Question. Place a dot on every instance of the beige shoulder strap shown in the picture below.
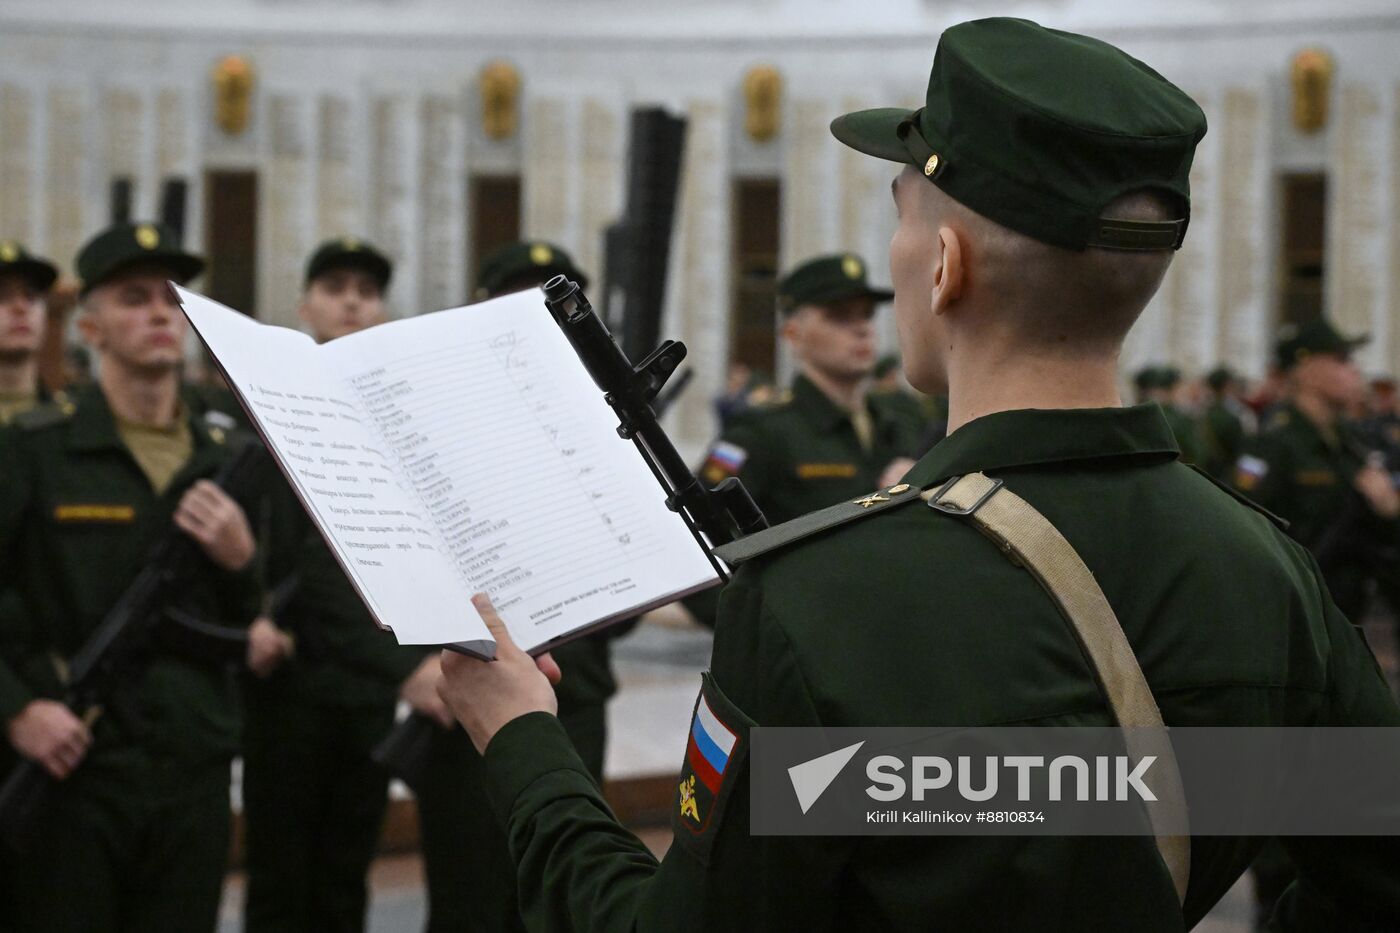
(1028, 538)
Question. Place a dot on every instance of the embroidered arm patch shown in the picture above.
(715, 752)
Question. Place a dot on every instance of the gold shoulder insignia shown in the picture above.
(815, 523)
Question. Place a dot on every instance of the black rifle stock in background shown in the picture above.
(639, 244)
(141, 622)
(714, 516)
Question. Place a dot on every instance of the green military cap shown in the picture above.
(827, 279)
(527, 263)
(124, 245)
(1039, 130)
(1157, 377)
(1219, 377)
(16, 260)
(1316, 336)
(348, 252)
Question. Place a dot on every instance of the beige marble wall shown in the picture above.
(339, 201)
(549, 173)
(1357, 227)
(1243, 252)
(285, 235)
(391, 196)
(16, 164)
(1391, 348)
(601, 171)
(699, 289)
(442, 217)
(66, 159)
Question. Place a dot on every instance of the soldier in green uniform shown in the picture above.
(24, 281)
(469, 872)
(1045, 185)
(136, 835)
(827, 439)
(1306, 466)
(1159, 384)
(1223, 424)
(314, 800)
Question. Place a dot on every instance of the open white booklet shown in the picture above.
(459, 452)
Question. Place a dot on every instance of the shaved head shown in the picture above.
(1028, 297)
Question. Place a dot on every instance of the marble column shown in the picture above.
(1244, 191)
(698, 304)
(442, 214)
(810, 204)
(285, 233)
(549, 173)
(338, 202)
(393, 138)
(17, 164)
(1356, 226)
(601, 174)
(66, 156)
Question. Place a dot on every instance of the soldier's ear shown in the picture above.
(948, 271)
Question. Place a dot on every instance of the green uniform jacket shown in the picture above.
(1224, 439)
(77, 519)
(1305, 476)
(802, 454)
(913, 617)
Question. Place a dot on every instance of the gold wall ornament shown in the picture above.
(763, 94)
(233, 93)
(500, 99)
(1312, 86)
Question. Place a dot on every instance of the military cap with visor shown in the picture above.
(1317, 336)
(123, 246)
(826, 280)
(349, 252)
(523, 265)
(16, 260)
(1040, 130)
(1157, 377)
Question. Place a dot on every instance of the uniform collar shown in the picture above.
(94, 426)
(1031, 437)
(1325, 438)
(820, 411)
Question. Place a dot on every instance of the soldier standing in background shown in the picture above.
(135, 835)
(826, 439)
(466, 862)
(1223, 424)
(314, 800)
(1306, 466)
(24, 281)
(1159, 384)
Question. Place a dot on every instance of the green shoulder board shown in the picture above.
(44, 415)
(814, 523)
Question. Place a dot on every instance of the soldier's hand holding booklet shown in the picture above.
(457, 452)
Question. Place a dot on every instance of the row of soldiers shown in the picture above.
(136, 834)
(94, 475)
(1041, 191)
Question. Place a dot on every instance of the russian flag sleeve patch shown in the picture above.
(715, 751)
